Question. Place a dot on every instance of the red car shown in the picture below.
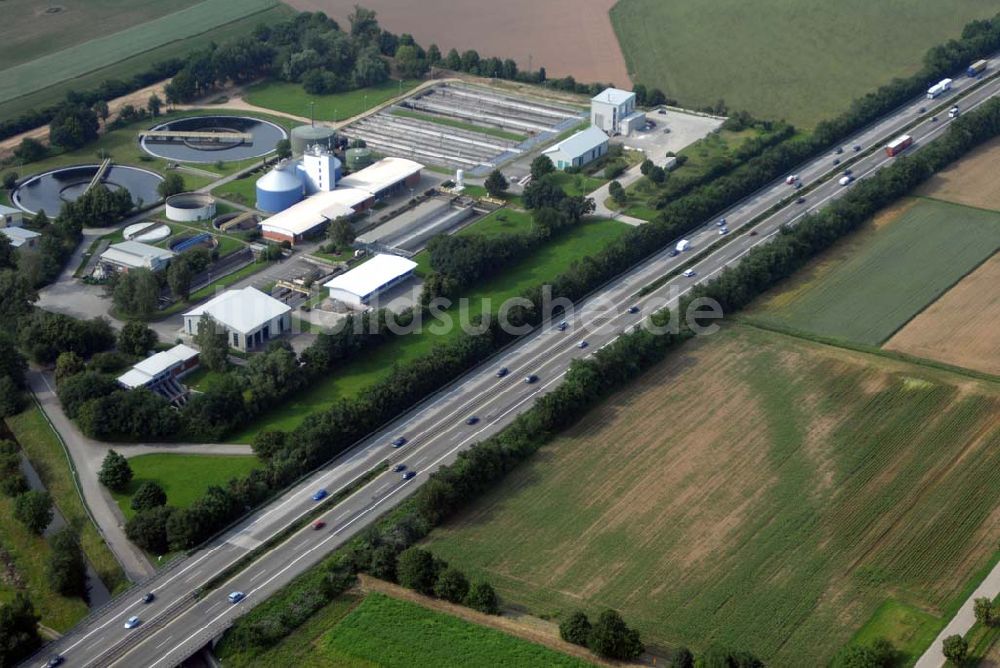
(318, 524)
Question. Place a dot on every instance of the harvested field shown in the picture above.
(961, 327)
(751, 471)
(872, 283)
(973, 181)
(563, 36)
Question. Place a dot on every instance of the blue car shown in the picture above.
(399, 442)
(319, 495)
(472, 419)
(502, 371)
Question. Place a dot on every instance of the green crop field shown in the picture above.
(756, 490)
(873, 283)
(183, 477)
(290, 98)
(544, 264)
(108, 49)
(802, 60)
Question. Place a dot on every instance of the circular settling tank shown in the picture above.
(49, 190)
(263, 135)
(147, 232)
(189, 207)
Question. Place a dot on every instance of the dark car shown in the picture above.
(633, 309)
(530, 379)
(934, 119)
(409, 474)
(55, 660)
(800, 200)
(857, 148)
(922, 109)
(399, 468)
(149, 597)
(848, 172)
(502, 371)
(318, 524)
(840, 149)
(836, 161)
(674, 252)
(472, 419)
(319, 495)
(399, 442)
(562, 326)
(753, 233)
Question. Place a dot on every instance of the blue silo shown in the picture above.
(279, 189)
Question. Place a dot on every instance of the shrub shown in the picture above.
(576, 628)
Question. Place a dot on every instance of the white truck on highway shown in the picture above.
(682, 245)
(953, 112)
(938, 88)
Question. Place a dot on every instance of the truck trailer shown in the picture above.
(682, 245)
(898, 145)
(938, 88)
(976, 68)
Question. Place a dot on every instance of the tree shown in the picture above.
(149, 495)
(213, 343)
(496, 184)
(12, 362)
(452, 586)
(115, 473)
(136, 293)
(680, 657)
(657, 175)
(955, 649)
(148, 529)
(73, 126)
(101, 109)
(18, 630)
(33, 509)
(612, 638)
(67, 568)
(16, 298)
(383, 563)
(646, 166)
(136, 339)
(433, 54)
(283, 149)
(68, 364)
(171, 184)
(453, 61)
(618, 193)
(179, 277)
(341, 234)
(575, 628)
(483, 597)
(364, 26)
(417, 569)
(541, 166)
(409, 62)
(10, 180)
(12, 399)
(154, 105)
(985, 614)
(30, 150)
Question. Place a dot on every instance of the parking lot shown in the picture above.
(670, 131)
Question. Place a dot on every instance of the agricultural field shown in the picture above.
(183, 477)
(871, 284)
(107, 49)
(545, 263)
(961, 327)
(972, 181)
(801, 60)
(753, 471)
(290, 98)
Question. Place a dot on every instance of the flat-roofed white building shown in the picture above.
(21, 238)
(386, 177)
(249, 317)
(309, 216)
(579, 149)
(613, 110)
(365, 281)
(160, 372)
(127, 255)
(11, 217)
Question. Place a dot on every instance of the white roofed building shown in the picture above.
(249, 317)
(159, 372)
(10, 217)
(356, 287)
(21, 238)
(386, 177)
(610, 108)
(579, 149)
(127, 255)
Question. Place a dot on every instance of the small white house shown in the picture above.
(609, 108)
(580, 149)
(11, 217)
(359, 285)
(249, 317)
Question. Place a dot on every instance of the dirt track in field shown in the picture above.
(974, 181)
(563, 36)
(960, 328)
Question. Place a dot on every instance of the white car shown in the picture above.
(723, 231)
(132, 622)
(689, 273)
(791, 180)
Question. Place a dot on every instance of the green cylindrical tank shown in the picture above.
(305, 136)
(359, 158)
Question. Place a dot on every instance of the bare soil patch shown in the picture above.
(961, 327)
(563, 36)
(973, 181)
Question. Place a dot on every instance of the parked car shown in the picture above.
(318, 524)
(399, 468)
(528, 380)
(472, 419)
(502, 371)
(132, 622)
(399, 442)
(149, 597)
(319, 495)
(236, 596)
(690, 273)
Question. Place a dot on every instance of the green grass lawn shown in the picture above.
(183, 477)
(50, 460)
(290, 98)
(908, 628)
(499, 223)
(242, 191)
(874, 282)
(544, 264)
(802, 60)
(461, 125)
(577, 184)
(753, 471)
(137, 60)
(28, 556)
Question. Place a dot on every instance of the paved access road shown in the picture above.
(175, 625)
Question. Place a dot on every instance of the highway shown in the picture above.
(177, 624)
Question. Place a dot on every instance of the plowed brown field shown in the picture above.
(974, 181)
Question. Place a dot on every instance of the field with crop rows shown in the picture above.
(750, 472)
(108, 49)
(875, 281)
(802, 60)
(972, 181)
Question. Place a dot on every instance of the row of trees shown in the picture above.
(13, 368)
(19, 636)
(609, 636)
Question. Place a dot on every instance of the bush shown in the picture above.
(955, 649)
(612, 638)
(148, 529)
(452, 586)
(576, 628)
(418, 570)
(33, 509)
(115, 473)
(483, 597)
(67, 568)
(149, 495)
